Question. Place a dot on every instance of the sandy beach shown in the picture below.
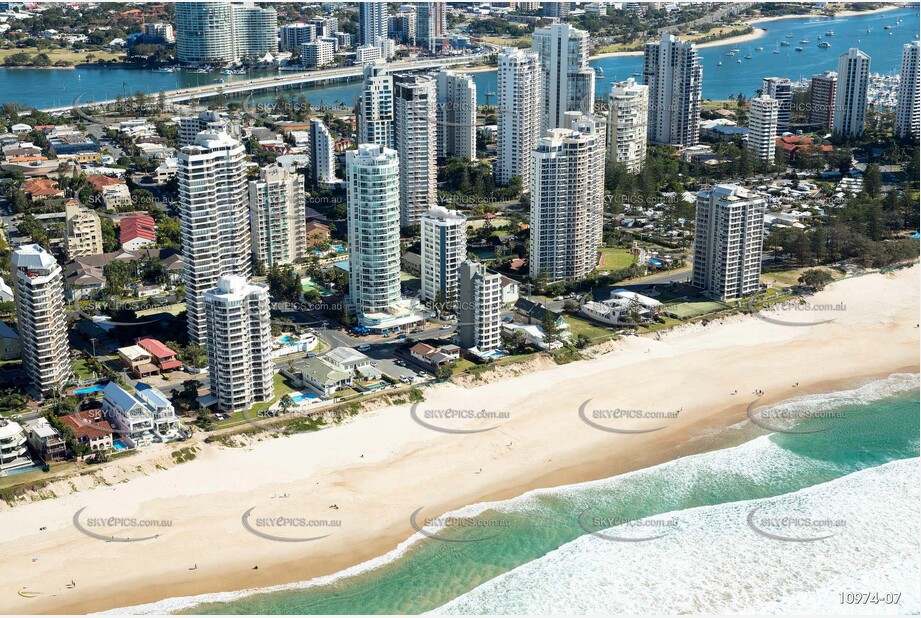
(380, 467)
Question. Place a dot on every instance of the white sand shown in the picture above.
(405, 466)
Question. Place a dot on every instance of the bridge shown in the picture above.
(283, 82)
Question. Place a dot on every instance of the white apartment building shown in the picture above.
(479, 327)
(292, 36)
(213, 219)
(431, 25)
(567, 200)
(240, 367)
(322, 154)
(781, 90)
(762, 127)
(444, 247)
(908, 109)
(517, 114)
(223, 33)
(375, 106)
(317, 54)
(209, 121)
(160, 31)
(851, 92)
(728, 242)
(672, 70)
(40, 319)
(414, 122)
(83, 233)
(368, 53)
(278, 216)
(456, 116)
(374, 228)
(628, 113)
(568, 83)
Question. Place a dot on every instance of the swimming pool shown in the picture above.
(287, 339)
(303, 397)
(118, 445)
(338, 248)
(88, 390)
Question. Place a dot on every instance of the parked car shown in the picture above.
(364, 347)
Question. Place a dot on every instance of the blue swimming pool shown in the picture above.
(303, 397)
(88, 390)
(287, 339)
(338, 248)
(118, 445)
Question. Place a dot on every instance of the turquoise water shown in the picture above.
(867, 428)
(46, 88)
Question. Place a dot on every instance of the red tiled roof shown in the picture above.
(41, 187)
(87, 424)
(138, 226)
(98, 181)
(156, 348)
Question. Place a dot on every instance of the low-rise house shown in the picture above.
(137, 360)
(9, 343)
(44, 440)
(436, 357)
(347, 359)
(91, 428)
(322, 377)
(6, 292)
(534, 313)
(162, 356)
(533, 334)
(510, 289)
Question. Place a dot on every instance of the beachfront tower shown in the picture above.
(517, 115)
(479, 305)
(822, 99)
(39, 299)
(240, 367)
(851, 93)
(374, 228)
(672, 70)
(728, 241)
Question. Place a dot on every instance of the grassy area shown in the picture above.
(615, 48)
(496, 223)
(174, 309)
(594, 332)
(282, 388)
(615, 259)
(82, 369)
(684, 311)
(791, 277)
(66, 55)
(507, 41)
(723, 32)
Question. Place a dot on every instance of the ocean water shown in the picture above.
(696, 504)
(44, 88)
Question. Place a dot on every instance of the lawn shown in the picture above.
(791, 277)
(282, 388)
(67, 55)
(684, 311)
(81, 368)
(616, 259)
(594, 332)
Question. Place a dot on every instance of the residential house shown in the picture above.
(141, 418)
(137, 231)
(41, 189)
(137, 360)
(91, 428)
(9, 343)
(44, 440)
(163, 357)
(320, 376)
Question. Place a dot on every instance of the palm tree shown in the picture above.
(286, 403)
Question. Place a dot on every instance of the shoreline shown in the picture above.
(385, 464)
